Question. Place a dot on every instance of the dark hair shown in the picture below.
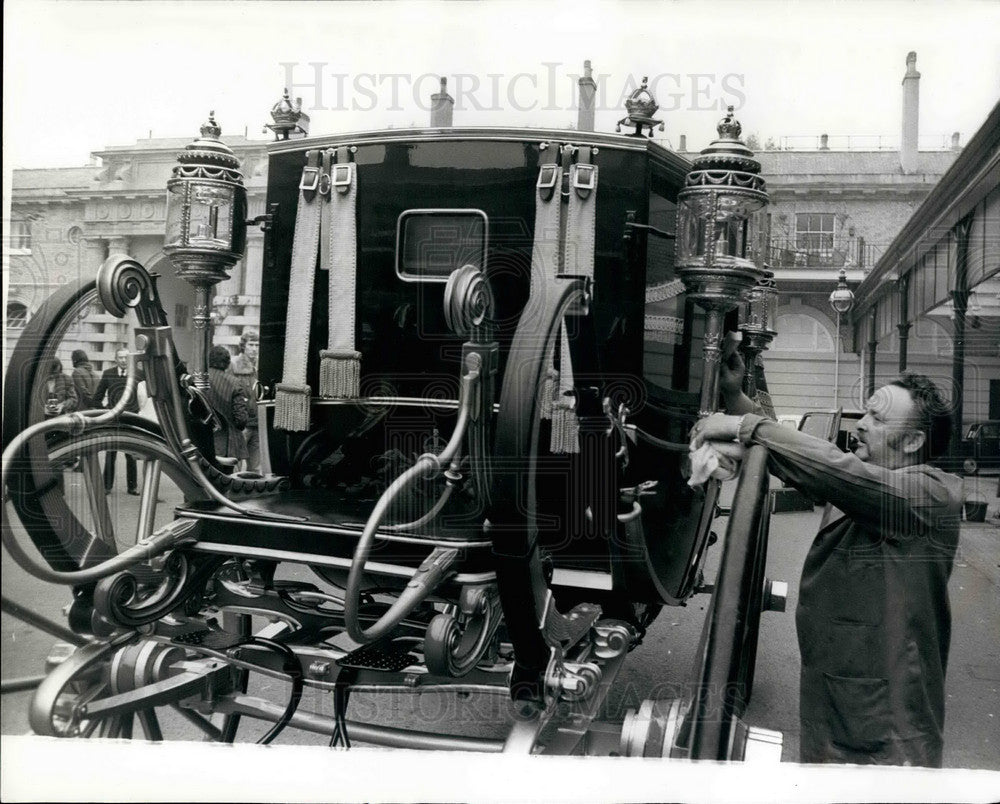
(932, 408)
(218, 358)
(248, 335)
(55, 367)
(80, 356)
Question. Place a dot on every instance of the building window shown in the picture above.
(17, 316)
(814, 232)
(20, 236)
(180, 316)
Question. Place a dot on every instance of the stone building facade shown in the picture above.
(66, 221)
(833, 211)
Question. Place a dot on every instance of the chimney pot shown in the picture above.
(587, 94)
(911, 115)
(824, 142)
(684, 143)
(442, 107)
(955, 145)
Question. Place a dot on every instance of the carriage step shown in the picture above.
(387, 656)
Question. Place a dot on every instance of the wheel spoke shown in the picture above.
(97, 499)
(150, 725)
(147, 502)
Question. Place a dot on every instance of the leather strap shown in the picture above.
(293, 397)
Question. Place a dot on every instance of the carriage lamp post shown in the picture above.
(206, 228)
(722, 238)
(841, 300)
(758, 315)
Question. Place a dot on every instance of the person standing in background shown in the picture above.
(244, 368)
(230, 405)
(58, 394)
(112, 386)
(85, 380)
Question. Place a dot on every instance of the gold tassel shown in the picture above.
(339, 373)
(291, 407)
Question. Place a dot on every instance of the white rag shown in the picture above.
(718, 459)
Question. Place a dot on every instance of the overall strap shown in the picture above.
(293, 396)
(340, 363)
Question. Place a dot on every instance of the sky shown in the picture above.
(80, 76)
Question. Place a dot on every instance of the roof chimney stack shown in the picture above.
(442, 107)
(911, 114)
(824, 142)
(588, 90)
(684, 143)
(955, 144)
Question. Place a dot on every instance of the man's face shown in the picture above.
(121, 358)
(250, 349)
(889, 421)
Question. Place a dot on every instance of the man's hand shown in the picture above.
(731, 368)
(717, 427)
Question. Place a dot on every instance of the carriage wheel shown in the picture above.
(755, 608)
(729, 639)
(116, 520)
(522, 576)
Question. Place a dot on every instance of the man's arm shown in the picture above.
(731, 374)
(72, 401)
(892, 500)
(102, 389)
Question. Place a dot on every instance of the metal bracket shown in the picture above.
(631, 225)
(265, 221)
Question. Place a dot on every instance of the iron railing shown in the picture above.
(799, 253)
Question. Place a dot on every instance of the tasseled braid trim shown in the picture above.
(339, 373)
(565, 427)
(291, 407)
(550, 387)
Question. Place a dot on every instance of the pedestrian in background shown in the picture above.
(244, 368)
(229, 403)
(58, 394)
(108, 394)
(873, 617)
(85, 380)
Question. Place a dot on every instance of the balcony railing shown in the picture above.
(855, 252)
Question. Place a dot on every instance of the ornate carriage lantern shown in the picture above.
(206, 227)
(757, 318)
(721, 237)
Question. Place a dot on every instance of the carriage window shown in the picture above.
(431, 243)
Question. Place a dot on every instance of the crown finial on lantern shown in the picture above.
(210, 129)
(729, 127)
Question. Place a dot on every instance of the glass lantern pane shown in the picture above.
(211, 217)
(176, 205)
(757, 238)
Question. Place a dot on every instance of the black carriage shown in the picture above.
(463, 452)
